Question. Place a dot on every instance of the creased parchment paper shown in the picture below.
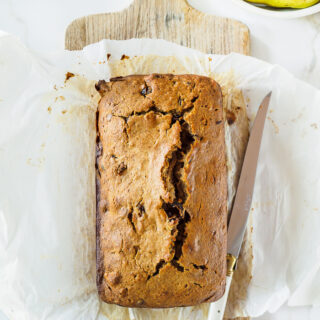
(46, 148)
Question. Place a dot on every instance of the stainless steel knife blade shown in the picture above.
(242, 202)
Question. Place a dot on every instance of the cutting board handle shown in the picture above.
(142, 4)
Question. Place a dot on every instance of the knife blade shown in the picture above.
(242, 203)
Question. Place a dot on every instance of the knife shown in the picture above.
(242, 203)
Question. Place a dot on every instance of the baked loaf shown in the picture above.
(161, 191)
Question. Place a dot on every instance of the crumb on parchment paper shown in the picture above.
(276, 128)
(314, 125)
(62, 98)
(69, 75)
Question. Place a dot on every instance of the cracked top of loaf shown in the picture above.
(161, 191)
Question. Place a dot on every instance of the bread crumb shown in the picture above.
(231, 117)
(123, 57)
(49, 109)
(68, 76)
(276, 128)
(62, 98)
(300, 115)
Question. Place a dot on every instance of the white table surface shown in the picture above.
(293, 44)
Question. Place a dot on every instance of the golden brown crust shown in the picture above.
(161, 191)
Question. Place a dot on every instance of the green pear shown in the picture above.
(287, 3)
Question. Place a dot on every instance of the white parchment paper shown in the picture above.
(47, 232)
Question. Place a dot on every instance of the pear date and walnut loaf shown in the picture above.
(161, 191)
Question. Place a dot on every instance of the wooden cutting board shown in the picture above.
(172, 20)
